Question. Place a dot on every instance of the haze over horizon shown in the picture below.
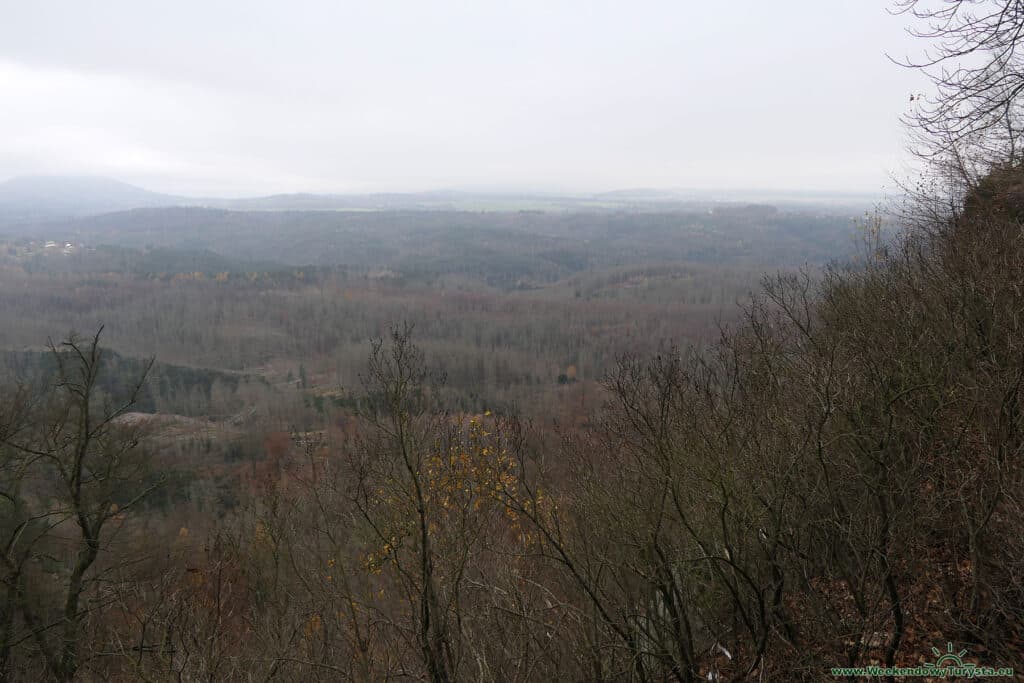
(36, 187)
(400, 97)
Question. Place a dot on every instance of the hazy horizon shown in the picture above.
(578, 98)
(726, 193)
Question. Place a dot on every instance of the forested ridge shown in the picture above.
(713, 442)
(834, 482)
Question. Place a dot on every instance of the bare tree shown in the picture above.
(70, 471)
(976, 67)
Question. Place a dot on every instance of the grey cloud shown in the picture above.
(241, 98)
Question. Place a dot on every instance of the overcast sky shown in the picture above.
(248, 97)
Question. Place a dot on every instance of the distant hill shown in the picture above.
(502, 247)
(38, 199)
(32, 198)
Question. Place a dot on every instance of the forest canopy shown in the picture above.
(711, 442)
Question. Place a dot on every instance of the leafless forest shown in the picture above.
(457, 437)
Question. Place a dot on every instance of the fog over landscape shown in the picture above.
(655, 342)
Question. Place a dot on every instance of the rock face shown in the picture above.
(998, 195)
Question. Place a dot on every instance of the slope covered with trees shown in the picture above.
(834, 480)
